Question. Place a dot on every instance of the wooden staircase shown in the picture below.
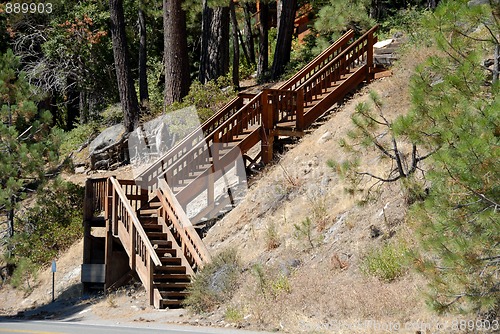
(146, 220)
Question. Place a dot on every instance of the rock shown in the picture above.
(101, 165)
(375, 232)
(109, 136)
(80, 170)
(325, 137)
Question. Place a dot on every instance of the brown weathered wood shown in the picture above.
(318, 62)
(201, 158)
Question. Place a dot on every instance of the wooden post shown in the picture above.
(300, 110)
(369, 58)
(88, 207)
(114, 209)
(267, 135)
(132, 245)
(150, 270)
(108, 251)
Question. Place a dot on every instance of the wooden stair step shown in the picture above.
(146, 219)
(162, 250)
(146, 212)
(171, 278)
(175, 286)
(174, 294)
(170, 260)
(152, 228)
(157, 235)
(153, 205)
(164, 303)
(171, 269)
(164, 243)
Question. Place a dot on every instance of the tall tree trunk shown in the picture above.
(248, 32)
(285, 35)
(214, 60)
(236, 46)
(263, 62)
(128, 97)
(176, 53)
(143, 76)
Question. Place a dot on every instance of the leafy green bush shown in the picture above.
(387, 262)
(50, 226)
(215, 283)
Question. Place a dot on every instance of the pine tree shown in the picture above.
(27, 146)
(457, 107)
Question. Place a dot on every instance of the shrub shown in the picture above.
(215, 283)
(386, 263)
(272, 238)
(24, 275)
(233, 314)
(50, 226)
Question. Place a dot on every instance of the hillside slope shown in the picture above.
(309, 282)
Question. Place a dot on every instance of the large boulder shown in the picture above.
(108, 137)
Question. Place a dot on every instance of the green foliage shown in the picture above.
(28, 147)
(387, 262)
(73, 139)
(233, 314)
(305, 231)
(411, 22)
(24, 275)
(50, 226)
(456, 107)
(339, 16)
(215, 283)
(207, 98)
(271, 283)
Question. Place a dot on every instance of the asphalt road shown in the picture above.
(56, 327)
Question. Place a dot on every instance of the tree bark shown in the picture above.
(128, 97)
(248, 32)
(263, 62)
(175, 51)
(143, 76)
(236, 46)
(285, 35)
(214, 60)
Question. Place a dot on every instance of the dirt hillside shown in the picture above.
(316, 277)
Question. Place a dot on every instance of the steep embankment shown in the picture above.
(310, 275)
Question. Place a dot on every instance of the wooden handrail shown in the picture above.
(135, 221)
(195, 137)
(341, 55)
(311, 68)
(191, 241)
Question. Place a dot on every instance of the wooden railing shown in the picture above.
(317, 63)
(148, 177)
(173, 217)
(124, 223)
(357, 56)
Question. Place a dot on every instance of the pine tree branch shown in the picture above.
(482, 196)
(380, 178)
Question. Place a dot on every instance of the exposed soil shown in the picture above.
(326, 286)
